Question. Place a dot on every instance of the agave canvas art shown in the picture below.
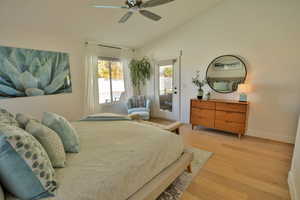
(28, 72)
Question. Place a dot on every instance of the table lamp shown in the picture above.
(243, 89)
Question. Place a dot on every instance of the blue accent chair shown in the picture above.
(139, 105)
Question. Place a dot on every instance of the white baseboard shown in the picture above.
(271, 135)
(292, 186)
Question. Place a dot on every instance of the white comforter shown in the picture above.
(116, 159)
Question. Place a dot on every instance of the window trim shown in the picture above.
(110, 59)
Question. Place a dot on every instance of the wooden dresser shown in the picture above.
(224, 115)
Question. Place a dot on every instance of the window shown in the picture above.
(110, 80)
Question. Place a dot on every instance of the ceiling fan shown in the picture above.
(138, 6)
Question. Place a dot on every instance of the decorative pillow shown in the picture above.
(50, 141)
(24, 119)
(65, 131)
(137, 102)
(8, 118)
(25, 169)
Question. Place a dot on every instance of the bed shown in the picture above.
(121, 160)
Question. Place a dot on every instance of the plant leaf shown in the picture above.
(28, 80)
(18, 59)
(34, 92)
(30, 56)
(43, 74)
(5, 82)
(140, 71)
(34, 66)
(13, 74)
(5, 90)
(61, 64)
(57, 82)
(4, 52)
(66, 90)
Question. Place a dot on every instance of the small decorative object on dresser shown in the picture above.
(243, 89)
(199, 83)
(224, 115)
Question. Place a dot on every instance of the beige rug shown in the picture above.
(177, 188)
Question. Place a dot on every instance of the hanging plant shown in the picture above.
(140, 71)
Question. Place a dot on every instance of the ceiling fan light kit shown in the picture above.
(138, 6)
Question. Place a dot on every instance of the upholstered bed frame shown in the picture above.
(162, 181)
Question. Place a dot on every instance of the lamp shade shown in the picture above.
(243, 88)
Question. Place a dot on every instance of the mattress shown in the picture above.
(116, 160)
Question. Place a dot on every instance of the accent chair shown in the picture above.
(139, 105)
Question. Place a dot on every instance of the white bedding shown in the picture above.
(116, 159)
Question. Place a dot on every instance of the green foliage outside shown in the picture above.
(168, 72)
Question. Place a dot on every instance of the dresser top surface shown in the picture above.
(223, 101)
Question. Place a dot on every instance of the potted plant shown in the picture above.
(140, 72)
(200, 84)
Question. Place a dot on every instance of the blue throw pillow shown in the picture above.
(25, 169)
(64, 129)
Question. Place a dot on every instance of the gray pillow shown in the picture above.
(65, 131)
(25, 169)
(50, 141)
(24, 119)
(8, 118)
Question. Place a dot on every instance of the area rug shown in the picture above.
(177, 188)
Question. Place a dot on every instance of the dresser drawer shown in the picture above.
(206, 122)
(204, 104)
(231, 116)
(232, 127)
(203, 113)
(231, 107)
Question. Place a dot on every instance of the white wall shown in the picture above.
(266, 33)
(67, 105)
(294, 175)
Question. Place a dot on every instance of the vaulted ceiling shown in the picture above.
(78, 20)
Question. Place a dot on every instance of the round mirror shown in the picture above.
(225, 73)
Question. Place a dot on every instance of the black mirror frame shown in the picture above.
(217, 59)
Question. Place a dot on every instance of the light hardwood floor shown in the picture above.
(246, 169)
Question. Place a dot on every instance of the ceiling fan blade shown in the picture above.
(126, 17)
(150, 15)
(153, 3)
(99, 6)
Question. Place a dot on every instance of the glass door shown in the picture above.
(166, 87)
(166, 90)
(110, 80)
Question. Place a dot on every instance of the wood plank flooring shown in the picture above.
(246, 169)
